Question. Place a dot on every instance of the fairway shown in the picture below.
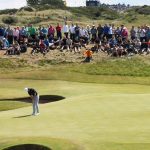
(91, 117)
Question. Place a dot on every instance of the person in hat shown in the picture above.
(35, 100)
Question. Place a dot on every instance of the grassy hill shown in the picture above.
(83, 15)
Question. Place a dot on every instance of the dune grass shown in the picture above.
(134, 70)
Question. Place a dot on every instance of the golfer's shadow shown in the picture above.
(23, 116)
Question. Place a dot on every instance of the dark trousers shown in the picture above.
(10, 39)
(59, 35)
(72, 36)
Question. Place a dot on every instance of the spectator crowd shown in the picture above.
(116, 41)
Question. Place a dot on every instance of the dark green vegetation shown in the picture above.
(37, 3)
(10, 20)
(95, 13)
(144, 10)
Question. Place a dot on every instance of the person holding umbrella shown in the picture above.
(35, 100)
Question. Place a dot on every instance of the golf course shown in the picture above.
(78, 111)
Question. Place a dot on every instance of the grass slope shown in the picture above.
(93, 116)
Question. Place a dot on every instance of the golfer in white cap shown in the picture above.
(35, 100)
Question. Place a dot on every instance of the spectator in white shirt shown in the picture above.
(16, 34)
(82, 32)
(72, 32)
(66, 29)
(142, 34)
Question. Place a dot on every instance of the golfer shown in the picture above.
(35, 100)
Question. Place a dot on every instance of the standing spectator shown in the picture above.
(44, 31)
(100, 31)
(94, 33)
(58, 30)
(82, 32)
(110, 32)
(32, 32)
(77, 32)
(142, 34)
(124, 33)
(9, 33)
(51, 31)
(23, 33)
(138, 32)
(106, 31)
(133, 33)
(66, 29)
(148, 34)
(117, 32)
(72, 32)
(2, 32)
(16, 34)
(88, 31)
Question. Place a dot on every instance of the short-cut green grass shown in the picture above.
(92, 116)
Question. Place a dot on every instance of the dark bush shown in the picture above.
(10, 20)
(95, 12)
(8, 11)
(35, 20)
(145, 10)
(98, 14)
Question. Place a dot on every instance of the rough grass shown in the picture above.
(123, 70)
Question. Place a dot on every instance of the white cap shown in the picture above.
(26, 89)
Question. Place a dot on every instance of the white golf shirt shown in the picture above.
(65, 28)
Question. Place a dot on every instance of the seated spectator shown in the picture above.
(5, 44)
(76, 45)
(35, 48)
(69, 43)
(43, 48)
(113, 42)
(46, 42)
(63, 44)
(88, 55)
(14, 49)
(23, 47)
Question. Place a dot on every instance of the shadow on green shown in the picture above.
(28, 147)
(43, 99)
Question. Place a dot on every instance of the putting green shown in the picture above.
(91, 117)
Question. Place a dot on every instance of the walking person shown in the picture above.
(35, 100)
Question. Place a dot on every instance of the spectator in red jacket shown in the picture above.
(58, 30)
(51, 31)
